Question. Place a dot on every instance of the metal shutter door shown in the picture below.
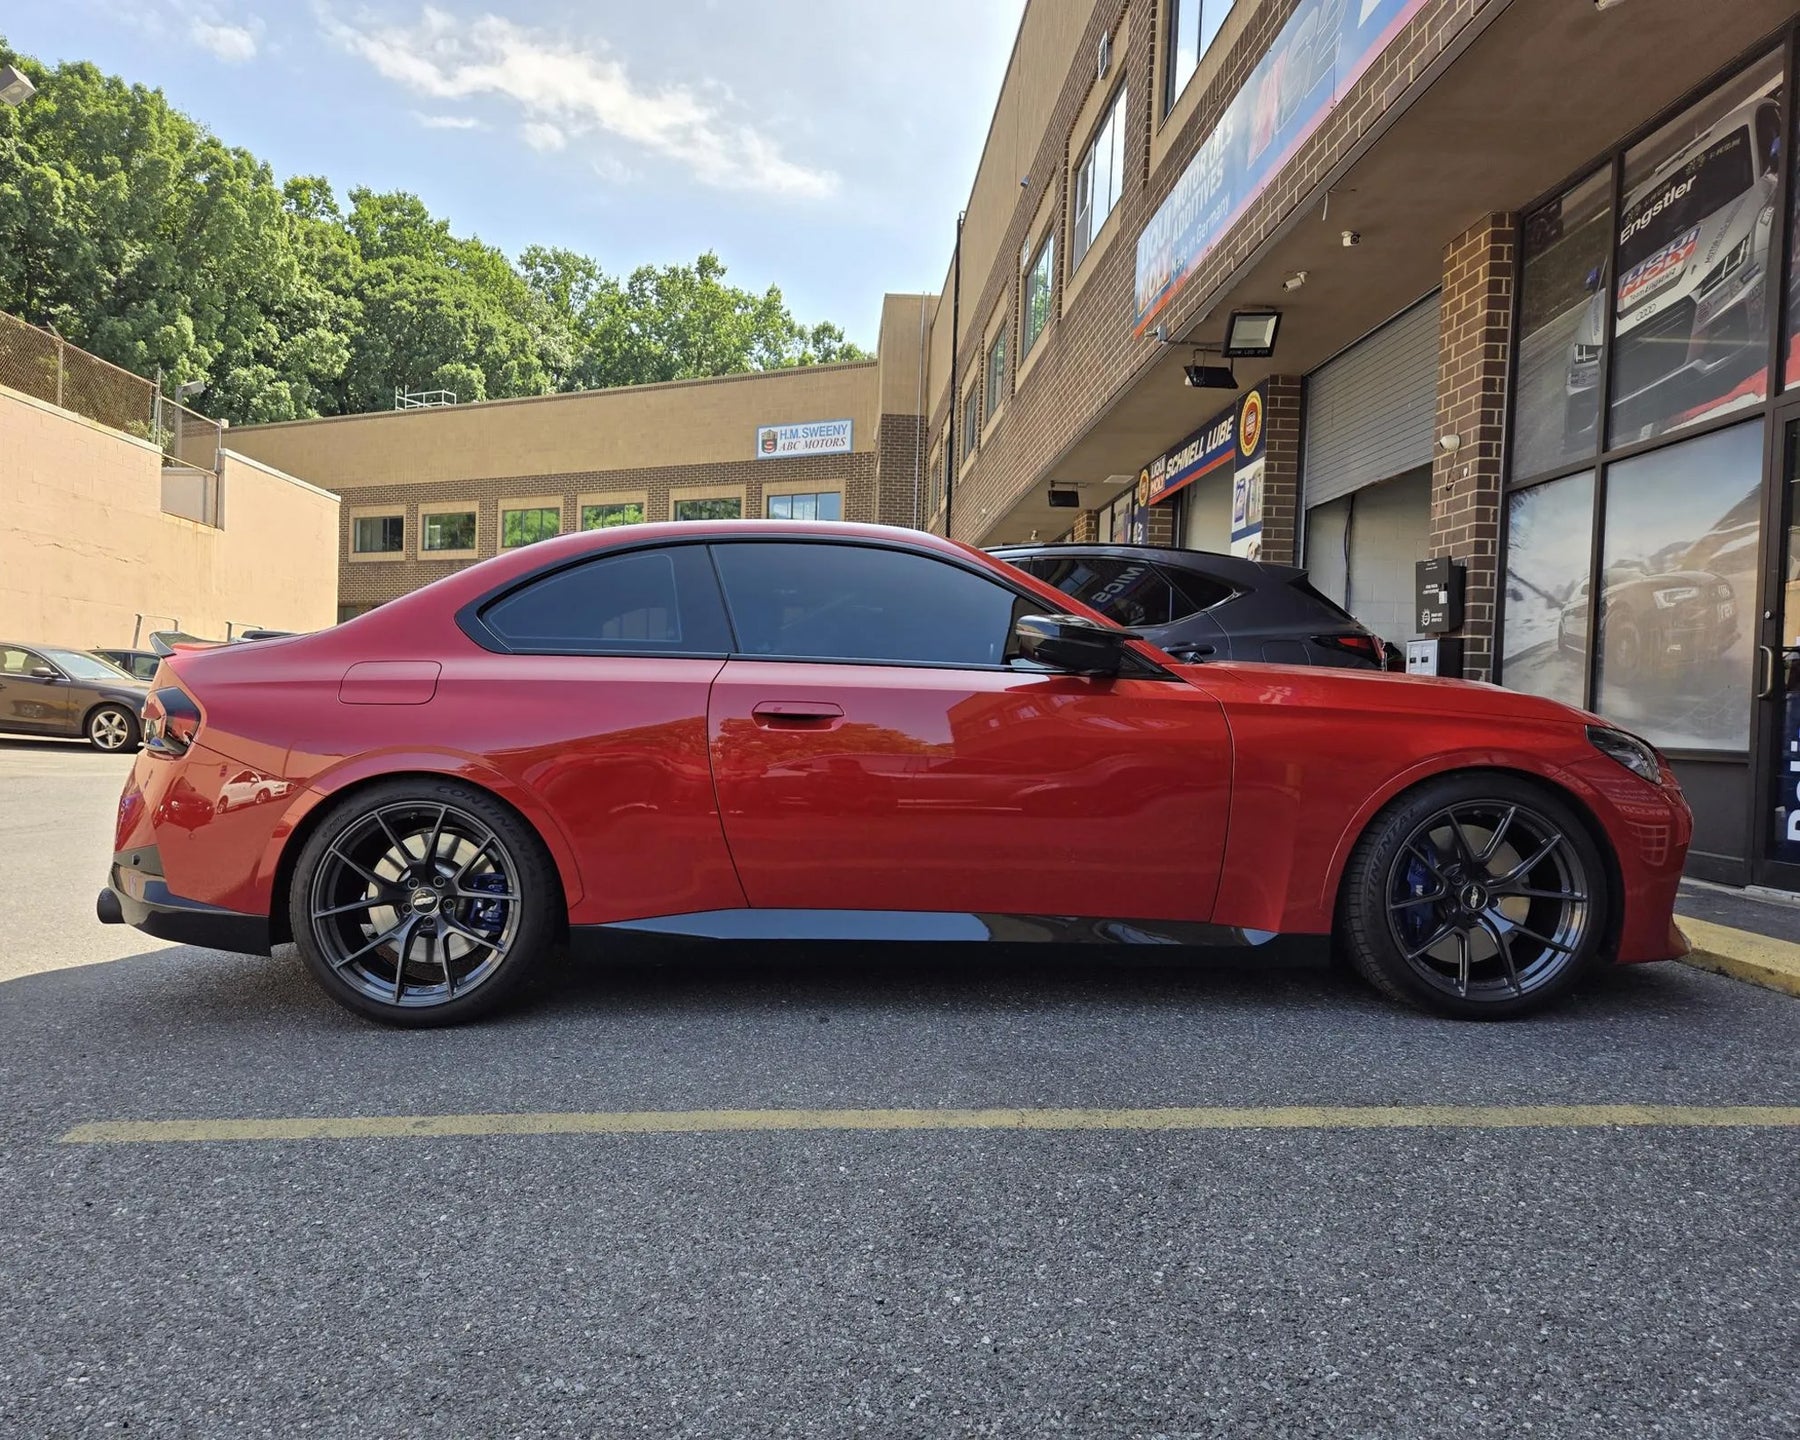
(1371, 412)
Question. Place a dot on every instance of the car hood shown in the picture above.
(1378, 691)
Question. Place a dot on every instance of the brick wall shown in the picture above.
(1281, 468)
(900, 467)
(1474, 348)
(1089, 348)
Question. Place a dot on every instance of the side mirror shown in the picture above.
(43, 672)
(1072, 644)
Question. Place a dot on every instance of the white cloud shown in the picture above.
(572, 90)
(448, 122)
(231, 43)
(542, 135)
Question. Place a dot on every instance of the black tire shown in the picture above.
(498, 901)
(1416, 881)
(112, 729)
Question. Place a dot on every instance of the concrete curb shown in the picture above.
(1743, 955)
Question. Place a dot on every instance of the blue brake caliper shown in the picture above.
(487, 916)
(1415, 920)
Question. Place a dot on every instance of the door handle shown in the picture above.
(796, 714)
(1767, 689)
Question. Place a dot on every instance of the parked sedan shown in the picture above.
(791, 729)
(46, 690)
(139, 664)
(1198, 605)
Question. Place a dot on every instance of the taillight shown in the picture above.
(171, 721)
(1360, 643)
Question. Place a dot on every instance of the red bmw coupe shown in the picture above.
(832, 731)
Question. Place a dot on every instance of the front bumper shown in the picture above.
(137, 895)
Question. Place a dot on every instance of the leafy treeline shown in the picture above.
(141, 236)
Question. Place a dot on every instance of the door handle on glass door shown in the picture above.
(1767, 689)
(796, 714)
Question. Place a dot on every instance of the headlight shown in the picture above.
(1675, 595)
(1634, 754)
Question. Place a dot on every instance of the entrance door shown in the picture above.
(1776, 803)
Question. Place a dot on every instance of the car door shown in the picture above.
(874, 749)
(28, 702)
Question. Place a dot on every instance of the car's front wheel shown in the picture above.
(423, 902)
(1477, 896)
(112, 728)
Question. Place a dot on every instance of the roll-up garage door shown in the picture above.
(1371, 412)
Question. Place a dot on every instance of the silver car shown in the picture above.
(48, 690)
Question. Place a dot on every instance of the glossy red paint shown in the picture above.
(664, 786)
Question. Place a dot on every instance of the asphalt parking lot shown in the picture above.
(1557, 1278)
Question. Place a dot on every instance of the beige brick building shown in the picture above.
(1528, 266)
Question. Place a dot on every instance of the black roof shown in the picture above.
(1233, 569)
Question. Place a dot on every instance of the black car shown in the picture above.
(141, 664)
(1198, 605)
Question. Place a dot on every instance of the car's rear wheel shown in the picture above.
(1477, 896)
(423, 903)
(112, 728)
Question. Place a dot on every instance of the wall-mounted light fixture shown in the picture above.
(1250, 334)
(15, 87)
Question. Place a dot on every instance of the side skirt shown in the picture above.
(916, 926)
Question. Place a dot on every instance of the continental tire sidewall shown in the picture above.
(541, 917)
(1362, 909)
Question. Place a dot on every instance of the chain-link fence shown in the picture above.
(47, 367)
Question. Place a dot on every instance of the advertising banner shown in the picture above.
(813, 437)
(1319, 55)
(1247, 483)
(1208, 450)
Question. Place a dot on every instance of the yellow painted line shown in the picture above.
(718, 1122)
(1743, 955)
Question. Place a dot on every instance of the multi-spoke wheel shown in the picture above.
(113, 728)
(1475, 896)
(423, 903)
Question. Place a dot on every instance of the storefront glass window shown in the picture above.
(1676, 621)
(1792, 333)
(1694, 281)
(1562, 315)
(1549, 547)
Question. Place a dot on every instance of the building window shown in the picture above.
(971, 421)
(1562, 312)
(996, 373)
(350, 612)
(378, 535)
(447, 530)
(1098, 180)
(819, 505)
(727, 507)
(1693, 280)
(1549, 547)
(1039, 279)
(1192, 26)
(605, 516)
(527, 526)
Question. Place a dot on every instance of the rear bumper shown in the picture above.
(137, 895)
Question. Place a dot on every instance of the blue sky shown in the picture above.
(821, 145)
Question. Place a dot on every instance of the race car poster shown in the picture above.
(1247, 479)
(1319, 55)
(1695, 279)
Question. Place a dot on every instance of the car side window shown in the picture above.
(644, 602)
(829, 601)
(1128, 592)
(1194, 592)
(14, 661)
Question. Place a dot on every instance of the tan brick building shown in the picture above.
(1528, 267)
(428, 491)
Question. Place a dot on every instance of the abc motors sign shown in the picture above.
(814, 437)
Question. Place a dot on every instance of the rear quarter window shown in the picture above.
(643, 602)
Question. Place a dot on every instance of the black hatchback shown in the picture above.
(1198, 605)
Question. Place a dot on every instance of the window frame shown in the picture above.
(707, 492)
(519, 506)
(1042, 258)
(1110, 127)
(815, 488)
(360, 513)
(994, 388)
(430, 508)
(595, 499)
(970, 428)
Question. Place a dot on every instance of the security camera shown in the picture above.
(1351, 239)
(1024, 182)
(1209, 377)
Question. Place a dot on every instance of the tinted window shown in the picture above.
(648, 601)
(1129, 592)
(856, 602)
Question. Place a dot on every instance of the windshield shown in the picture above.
(1711, 180)
(85, 667)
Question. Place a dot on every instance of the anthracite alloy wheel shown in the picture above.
(112, 728)
(423, 903)
(1477, 896)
